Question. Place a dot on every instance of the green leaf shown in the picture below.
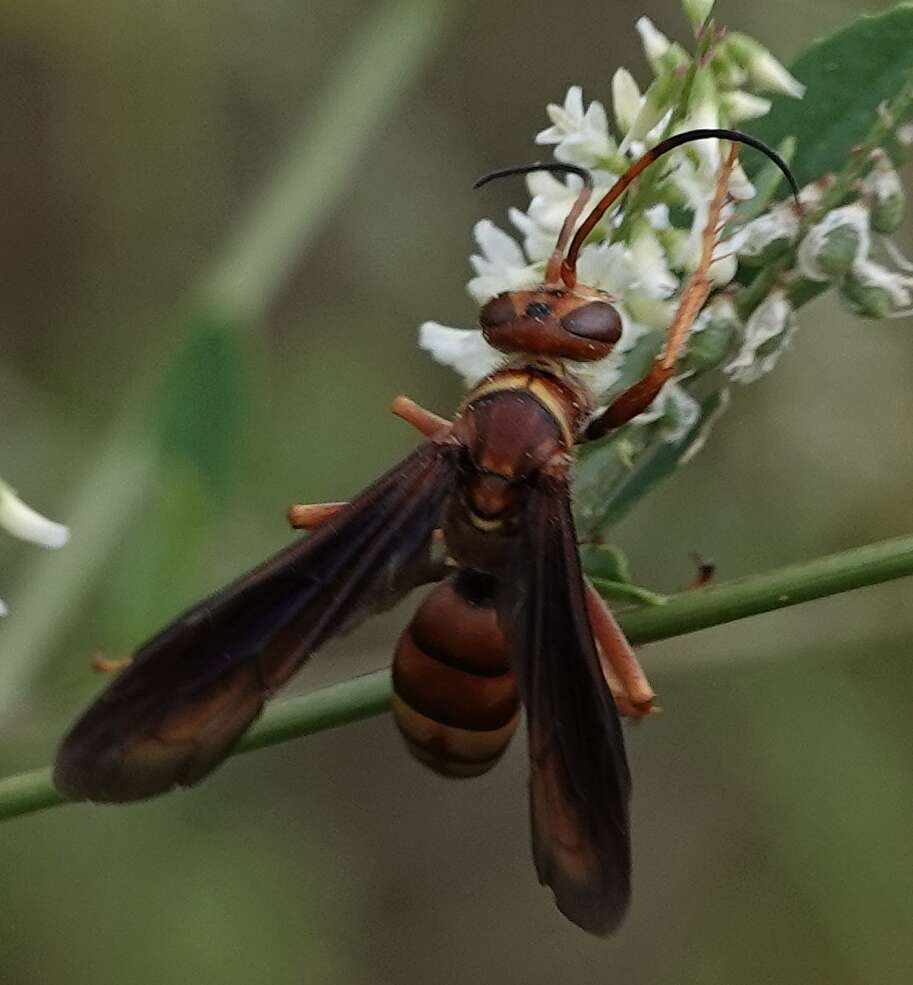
(847, 74)
(201, 403)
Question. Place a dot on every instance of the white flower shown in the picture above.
(767, 334)
(501, 266)
(462, 349)
(23, 522)
(581, 137)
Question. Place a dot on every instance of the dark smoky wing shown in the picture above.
(579, 780)
(195, 688)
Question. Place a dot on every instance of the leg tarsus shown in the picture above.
(424, 421)
(310, 516)
(109, 665)
(623, 673)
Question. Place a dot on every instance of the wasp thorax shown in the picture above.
(552, 322)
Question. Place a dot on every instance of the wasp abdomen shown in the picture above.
(455, 697)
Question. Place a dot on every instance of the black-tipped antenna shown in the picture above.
(557, 167)
(553, 267)
(568, 267)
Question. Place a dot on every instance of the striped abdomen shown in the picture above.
(455, 698)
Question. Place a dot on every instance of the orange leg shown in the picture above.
(630, 687)
(309, 516)
(638, 398)
(424, 421)
(109, 665)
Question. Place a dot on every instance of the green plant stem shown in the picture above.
(687, 612)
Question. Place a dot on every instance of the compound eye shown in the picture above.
(597, 320)
(538, 310)
(499, 310)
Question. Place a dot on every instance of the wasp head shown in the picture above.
(580, 324)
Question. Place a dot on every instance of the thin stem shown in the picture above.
(687, 612)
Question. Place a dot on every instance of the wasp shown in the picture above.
(482, 507)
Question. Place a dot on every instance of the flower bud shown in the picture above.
(663, 55)
(834, 244)
(697, 11)
(872, 291)
(626, 100)
(767, 334)
(738, 105)
(713, 336)
(767, 237)
(885, 192)
(657, 102)
(762, 68)
(655, 43)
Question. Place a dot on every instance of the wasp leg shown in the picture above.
(628, 683)
(424, 421)
(109, 665)
(629, 404)
(309, 516)
(638, 398)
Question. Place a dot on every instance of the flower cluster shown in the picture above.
(770, 256)
(22, 521)
(644, 254)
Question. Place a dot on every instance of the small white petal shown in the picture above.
(3, 609)
(626, 99)
(502, 265)
(497, 246)
(23, 522)
(573, 102)
(464, 350)
(655, 43)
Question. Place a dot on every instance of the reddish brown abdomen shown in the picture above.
(455, 698)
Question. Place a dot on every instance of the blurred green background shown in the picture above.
(163, 396)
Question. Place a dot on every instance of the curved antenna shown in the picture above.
(556, 260)
(569, 264)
